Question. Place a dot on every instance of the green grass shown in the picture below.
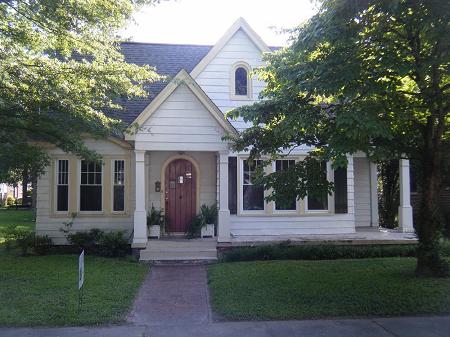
(43, 290)
(20, 217)
(271, 290)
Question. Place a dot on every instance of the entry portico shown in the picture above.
(180, 122)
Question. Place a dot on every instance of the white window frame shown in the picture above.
(241, 192)
(284, 211)
(125, 168)
(55, 190)
(330, 198)
(102, 211)
(233, 95)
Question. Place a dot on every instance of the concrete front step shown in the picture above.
(180, 250)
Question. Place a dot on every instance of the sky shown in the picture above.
(205, 21)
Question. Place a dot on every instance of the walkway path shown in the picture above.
(172, 295)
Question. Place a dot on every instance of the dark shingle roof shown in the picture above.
(168, 59)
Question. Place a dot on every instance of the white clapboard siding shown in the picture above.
(207, 166)
(183, 123)
(291, 225)
(215, 78)
(47, 224)
(362, 192)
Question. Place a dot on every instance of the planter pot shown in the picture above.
(207, 231)
(155, 232)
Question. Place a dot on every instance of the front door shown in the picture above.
(180, 190)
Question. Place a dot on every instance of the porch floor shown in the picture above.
(363, 236)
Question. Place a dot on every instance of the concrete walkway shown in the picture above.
(173, 302)
(172, 294)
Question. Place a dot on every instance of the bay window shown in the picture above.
(319, 203)
(91, 189)
(290, 205)
(62, 186)
(252, 195)
(119, 186)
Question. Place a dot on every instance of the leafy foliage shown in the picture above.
(195, 226)
(61, 67)
(156, 217)
(367, 76)
(42, 244)
(209, 213)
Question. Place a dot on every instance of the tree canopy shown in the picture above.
(366, 75)
(60, 69)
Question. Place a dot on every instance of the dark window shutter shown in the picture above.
(340, 191)
(232, 184)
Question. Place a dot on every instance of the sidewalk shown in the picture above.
(379, 327)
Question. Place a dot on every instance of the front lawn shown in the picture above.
(43, 290)
(271, 290)
(19, 217)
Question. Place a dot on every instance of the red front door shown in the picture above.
(180, 189)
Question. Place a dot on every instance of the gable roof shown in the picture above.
(239, 24)
(184, 78)
(168, 59)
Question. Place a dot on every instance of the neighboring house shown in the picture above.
(10, 191)
(177, 159)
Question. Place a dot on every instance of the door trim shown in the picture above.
(163, 179)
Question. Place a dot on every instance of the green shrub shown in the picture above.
(195, 227)
(286, 251)
(113, 244)
(156, 217)
(209, 214)
(10, 201)
(85, 240)
(42, 244)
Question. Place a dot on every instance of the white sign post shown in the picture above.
(80, 278)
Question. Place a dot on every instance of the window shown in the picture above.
(253, 196)
(320, 203)
(91, 186)
(240, 82)
(62, 186)
(119, 186)
(232, 184)
(340, 191)
(282, 165)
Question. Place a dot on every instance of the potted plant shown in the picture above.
(209, 215)
(156, 222)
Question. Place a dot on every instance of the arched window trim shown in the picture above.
(248, 68)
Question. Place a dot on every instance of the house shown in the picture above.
(177, 159)
(10, 191)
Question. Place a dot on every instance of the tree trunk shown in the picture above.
(25, 180)
(429, 260)
(34, 193)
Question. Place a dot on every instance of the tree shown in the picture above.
(367, 76)
(60, 69)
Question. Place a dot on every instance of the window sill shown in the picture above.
(240, 98)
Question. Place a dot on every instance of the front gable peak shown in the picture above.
(239, 24)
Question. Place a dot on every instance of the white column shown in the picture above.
(405, 214)
(140, 214)
(374, 221)
(224, 212)
(351, 190)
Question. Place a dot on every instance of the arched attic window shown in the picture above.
(241, 81)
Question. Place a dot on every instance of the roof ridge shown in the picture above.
(166, 44)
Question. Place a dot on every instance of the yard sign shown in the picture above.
(81, 270)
